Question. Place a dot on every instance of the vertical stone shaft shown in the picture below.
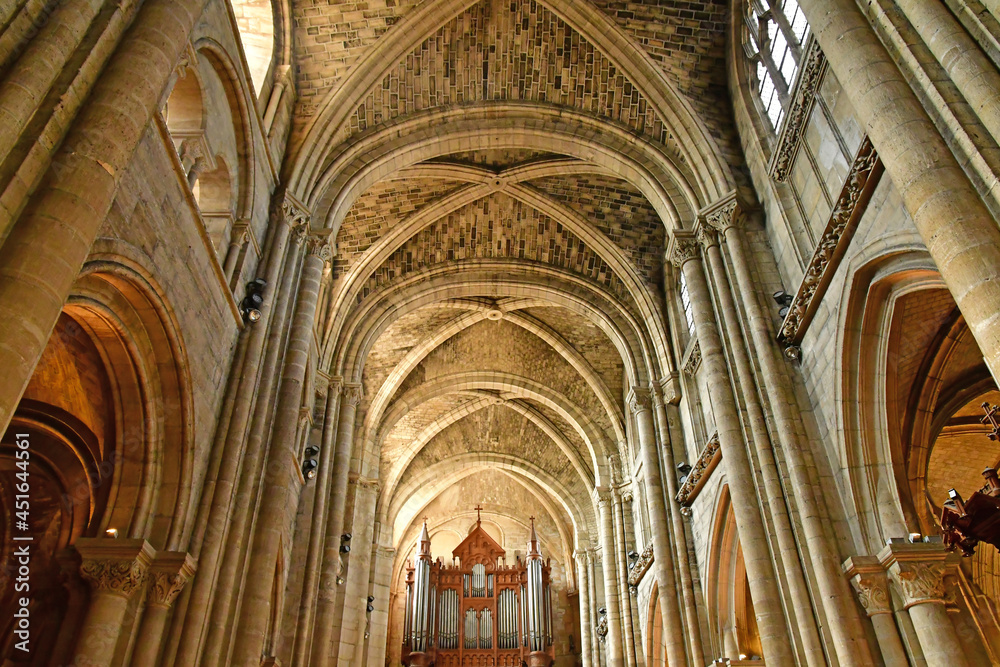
(583, 588)
(615, 641)
(281, 484)
(327, 596)
(961, 236)
(842, 614)
(679, 536)
(757, 557)
(168, 575)
(115, 570)
(31, 77)
(219, 495)
(663, 558)
(45, 250)
(621, 562)
(303, 634)
(801, 605)
(355, 620)
(238, 520)
(967, 66)
(595, 648)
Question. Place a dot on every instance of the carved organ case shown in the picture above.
(478, 611)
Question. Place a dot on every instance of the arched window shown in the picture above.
(773, 35)
(255, 19)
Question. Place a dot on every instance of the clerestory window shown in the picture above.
(773, 35)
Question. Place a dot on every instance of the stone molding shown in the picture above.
(803, 96)
(319, 244)
(641, 567)
(168, 575)
(865, 173)
(364, 482)
(693, 359)
(707, 236)
(700, 471)
(670, 389)
(352, 394)
(682, 248)
(917, 570)
(723, 214)
(117, 567)
(871, 584)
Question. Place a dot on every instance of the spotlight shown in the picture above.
(345, 548)
(632, 555)
(112, 533)
(684, 467)
(793, 353)
(371, 598)
(602, 611)
(346, 537)
(370, 607)
(253, 301)
(782, 298)
(309, 468)
(340, 581)
(312, 450)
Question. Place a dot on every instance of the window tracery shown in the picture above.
(773, 35)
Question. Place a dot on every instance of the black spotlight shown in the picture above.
(784, 300)
(345, 548)
(346, 537)
(371, 598)
(309, 468)
(312, 450)
(253, 301)
(632, 555)
(683, 467)
(602, 611)
(370, 607)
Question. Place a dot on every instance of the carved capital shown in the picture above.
(364, 483)
(116, 567)
(917, 570)
(706, 236)
(602, 496)
(683, 248)
(168, 575)
(723, 214)
(335, 386)
(318, 245)
(292, 213)
(871, 584)
(639, 400)
(670, 386)
(352, 394)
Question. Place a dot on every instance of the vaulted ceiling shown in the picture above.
(500, 176)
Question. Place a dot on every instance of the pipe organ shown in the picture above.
(478, 611)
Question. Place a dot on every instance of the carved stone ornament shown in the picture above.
(639, 400)
(873, 592)
(293, 213)
(335, 386)
(364, 482)
(602, 629)
(803, 96)
(700, 471)
(318, 244)
(115, 575)
(861, 181)
(641, 566)
(724, 214)
(693, 359)
(682, 249)
(165, 586)
(706, 236)
(352, 394)
(919, 582)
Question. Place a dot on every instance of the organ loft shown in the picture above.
(697, 300)
(478, 612)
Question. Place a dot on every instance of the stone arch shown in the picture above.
(256, 22)
(592, 24)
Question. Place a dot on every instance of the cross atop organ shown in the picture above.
(478, 611)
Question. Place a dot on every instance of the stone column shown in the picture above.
(664, 391)
(307, 605)
(683, 252)
(621, 572)
(239, 238)
(378, 625)
(595, 648)
(918, 572)
(233, 444)
(663, 557)
(327, 595)
(872, 586)
(115, 570)
(842, 614)
(358, 575)
(168, 575)
(282, 473)
(233, 470)
(615, 641)
(958, 230)
(586, 628)
(801, 607)
(47, 246)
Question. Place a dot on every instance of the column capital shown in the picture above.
(602, 496)
(722, 214)
(639, 400)
(335, 385)
(707, 236)
(292, 212)
(917, 569)
(352, 394)
(683, 247)
(114, 566)
(168, 575)
(319, 244)
(669, 389)
(870, 582)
